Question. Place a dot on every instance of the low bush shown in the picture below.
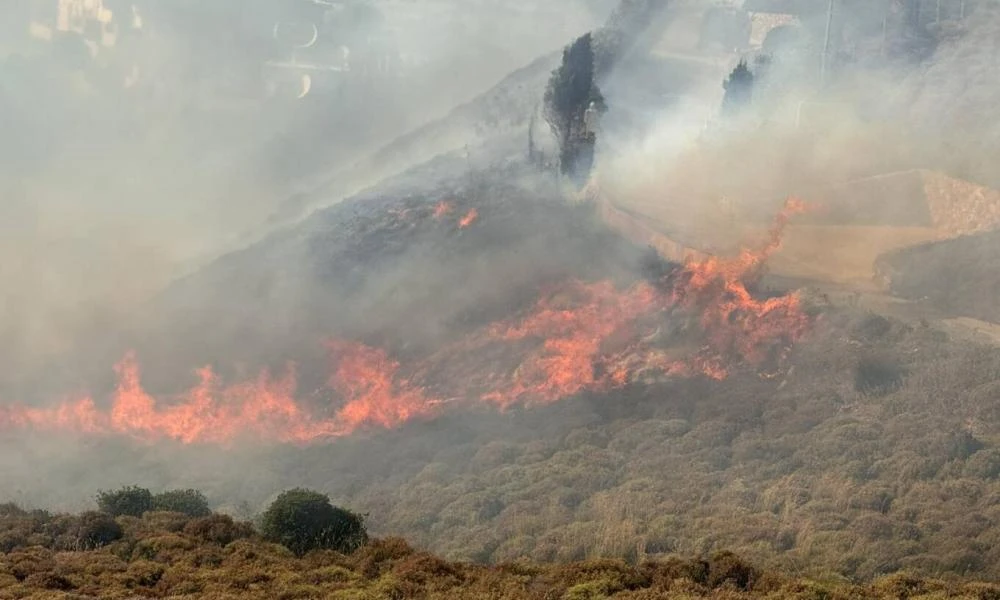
(89, 531)
(304, 520)
(725, 568)
(218, 529)
(189, 502)
(163, 563)
(131, 500)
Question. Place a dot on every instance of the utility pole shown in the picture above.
(826, 44)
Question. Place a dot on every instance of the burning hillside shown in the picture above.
(697, 319)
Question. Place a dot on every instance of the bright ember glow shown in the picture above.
(441, 209)
(469, 218)
(577, 337)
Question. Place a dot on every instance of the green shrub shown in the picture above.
(189, 502)
(984, 464)
(727, 568)
(144, 574)
(304, 520)
(49, 581)
(11, 540)
(130, 500)
(218, 529)
(165, 521)
(373, 557)
(94, 530)
(592, 590)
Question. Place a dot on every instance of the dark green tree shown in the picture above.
(739, 90)
(304, 520)
(190, 502)
(571, 91)
(130, 500)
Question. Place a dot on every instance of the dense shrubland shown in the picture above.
(166, 554)
(877, 452)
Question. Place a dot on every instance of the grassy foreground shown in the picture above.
(170, 555)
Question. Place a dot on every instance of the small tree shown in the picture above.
(739, 89)
(571, 91)
(189, 502)
(304, 520)
(130, 500)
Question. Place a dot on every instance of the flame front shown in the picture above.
(367, 379)
(571, 339)
(578, 337)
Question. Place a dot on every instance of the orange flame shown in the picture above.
(736, 322)
(366, 378)
(469, 218)
(441, 209)
(576, 338)
(265, 407)
(571, 340)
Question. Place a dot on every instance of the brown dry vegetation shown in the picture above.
(165, 555)
(876, 453)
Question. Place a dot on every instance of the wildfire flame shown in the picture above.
(469, 218)
(578, 337)
(442, 208)
(367, 379)
(571, 340)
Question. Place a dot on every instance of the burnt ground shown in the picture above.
(380, 268)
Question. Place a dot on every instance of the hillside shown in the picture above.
(876, 452)
(169, 555)
(958, 276)
(470, 357)
(870, 447)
